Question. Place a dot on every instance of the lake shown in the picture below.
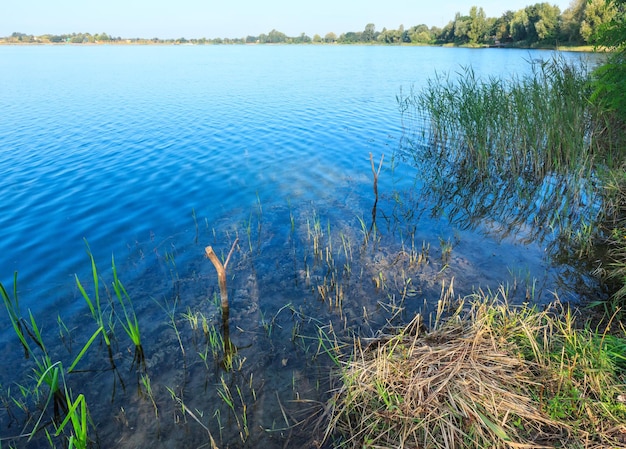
(151, 153)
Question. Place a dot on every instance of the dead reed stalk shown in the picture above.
(491, 375)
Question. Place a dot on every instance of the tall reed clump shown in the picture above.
(529, 142)
(489, 375)
(531, 154)
(531, 127)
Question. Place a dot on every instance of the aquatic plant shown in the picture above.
(51, 373)
(95, 306)
(147, 390)
(77, 415)
(187, 411)
(376, 173)
(129, 323)
(530, 157)
(12, 306)
(505, 149)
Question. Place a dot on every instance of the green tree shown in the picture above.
(391, 36)
(519, 25)
(350, 37)
(570, 21)
(447, 33)
(421, 34)
(583, 19)
(546, 21)
(478, 25)
(369, 33)
(536, 23)
(302, 39)
(596, 14)
(501, 27)
(276, 37)
(330, 37)
(610, 78)
(461, 28)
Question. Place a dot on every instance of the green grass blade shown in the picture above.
(87, 299)
(498, 430)
(82, 351)
(71, 413)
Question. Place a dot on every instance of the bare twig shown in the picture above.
(221, 271)
(376, 172)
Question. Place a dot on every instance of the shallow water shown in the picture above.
(152, 153)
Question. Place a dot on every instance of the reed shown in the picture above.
(533, 154)
(195, 222)
(376, 173)
(95, 305)
(240, 413)
(486, 374)
(518, 136)
(77, 416)
(147, 390)
(186, 411)
(129, 323)
(12, 306)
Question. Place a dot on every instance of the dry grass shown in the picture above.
(490, 375)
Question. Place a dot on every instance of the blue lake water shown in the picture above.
(151, 153)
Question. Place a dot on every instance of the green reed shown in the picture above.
(529, 127)
(95, 305)
(48, 372)
(530, 154)
(147, 385)
(77, 416)
(129, 323)
(12, 306)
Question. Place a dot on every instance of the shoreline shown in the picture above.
(126, 42)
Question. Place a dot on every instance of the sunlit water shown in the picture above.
(152, 153)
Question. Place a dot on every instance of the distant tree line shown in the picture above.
(535, 25)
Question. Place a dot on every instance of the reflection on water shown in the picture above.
(531, 210)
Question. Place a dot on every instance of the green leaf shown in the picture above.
(498, 430)
(82, 351)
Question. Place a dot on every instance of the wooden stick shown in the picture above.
(375, 172)
(221, 271)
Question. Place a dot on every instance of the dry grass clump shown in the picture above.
(491, 375)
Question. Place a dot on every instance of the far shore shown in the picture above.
(125, 42)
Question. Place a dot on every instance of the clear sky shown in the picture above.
(233, 18)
